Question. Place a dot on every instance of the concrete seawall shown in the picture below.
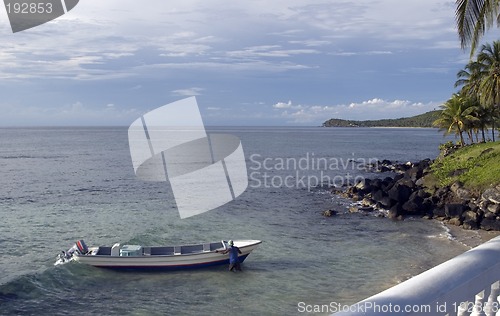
(465, 285)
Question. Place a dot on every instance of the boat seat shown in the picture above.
(215, 245)
(206, 248)
(157, 251)
(177, 250)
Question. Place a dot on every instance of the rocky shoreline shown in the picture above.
(405, 195)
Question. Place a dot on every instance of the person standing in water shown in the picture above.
(234, 261)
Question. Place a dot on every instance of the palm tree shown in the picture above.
(456, 116)
(489, 89)
(483, 115)
(473, 18)
(470, 79)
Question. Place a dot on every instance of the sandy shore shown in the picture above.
(471, 238)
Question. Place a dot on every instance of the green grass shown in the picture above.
(476, 166)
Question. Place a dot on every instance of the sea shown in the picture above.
(62, 184)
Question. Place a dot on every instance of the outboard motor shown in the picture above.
(65, 256)
(81, 247)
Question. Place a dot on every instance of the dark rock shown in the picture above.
(363, 184)
(415, 173)
(378, 195)
(490, 224)
(398, 177)
(395, 211)
(455, 221)
(473, 206)
(387, 183)
(385, 203)
(376, 183)
(423, 194)
(366, 209)
(399, 193)
(454, 210)
(463, 194)
(384, 169)
(408, 182)
(438, 212)
(329, 213)
(471, 220)
(414, 205)
(489, 215)
(367, 202)
(494, 208)
(483, 205)
(491, 195)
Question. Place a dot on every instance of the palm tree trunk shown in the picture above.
(461, 137)
(482, 134)
(493, 130)
(471, 138)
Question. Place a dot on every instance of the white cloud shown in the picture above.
(283, 105)
(188, 92)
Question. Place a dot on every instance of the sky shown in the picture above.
(253, 63)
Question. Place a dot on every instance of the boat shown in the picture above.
(129, 257)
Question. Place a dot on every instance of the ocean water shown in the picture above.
(59, 185)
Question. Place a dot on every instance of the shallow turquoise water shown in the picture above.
(59, 185)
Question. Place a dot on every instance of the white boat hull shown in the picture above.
(172, 261)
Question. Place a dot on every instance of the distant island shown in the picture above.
(422, 120)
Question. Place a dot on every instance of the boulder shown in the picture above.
(454, 210)
(473, 206)
(395, 211)
(491, 195)
(463, 194)
(378, 195)
(382, 200)
(494, 208)
(414, 204)
(399, 193)
(490, 224)
(420, 182)
(366, 202)
(470, 220)
(415, 173)
(489, 215)
(329, 213)
(363, 184)
(376, 183)
(455, 221)
(408, 182)
(438, 212)
(385, 203)
(367, 209)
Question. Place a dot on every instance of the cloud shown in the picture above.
(188, 92)
(283, 105)
(268, 51)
